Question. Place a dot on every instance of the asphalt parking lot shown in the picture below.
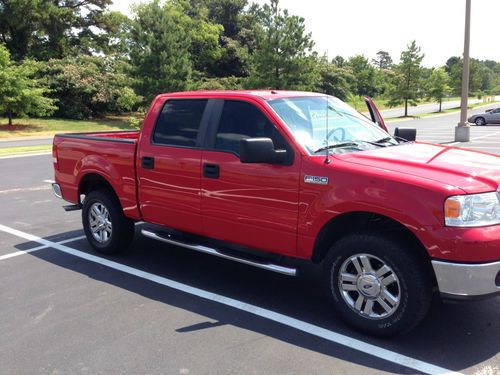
(159, 309)
(441, 129)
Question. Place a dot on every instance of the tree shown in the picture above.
(238, 37)
(334, 80)
(205, 50)
(88, 86)
(44, 29)
(20, 94)
(475, 79)
(437, 85)
(283, 58)
(339, 61)
(364, 76)
(407, 83)
(159, 49)
(383, 60)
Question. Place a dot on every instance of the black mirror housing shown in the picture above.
(261, 150)
(409, 134)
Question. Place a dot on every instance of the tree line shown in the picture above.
(77, 59)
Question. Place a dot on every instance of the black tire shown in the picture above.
(122, 228)
(480, 121)
(413, 285)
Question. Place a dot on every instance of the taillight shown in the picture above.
(54, 157)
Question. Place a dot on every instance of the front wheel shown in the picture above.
(377, 284)
(106, 227)
(480, 121)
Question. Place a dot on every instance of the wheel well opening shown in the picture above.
(94, 181)
(352, 222)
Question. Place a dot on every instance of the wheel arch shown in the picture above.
(352, 222)
(94, 181)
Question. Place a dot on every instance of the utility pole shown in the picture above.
(462, 130)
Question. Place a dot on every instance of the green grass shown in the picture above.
(455, 109)
(381, 104)
(48, 127)
(21, 150)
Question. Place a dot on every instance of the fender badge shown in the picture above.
(318, 180)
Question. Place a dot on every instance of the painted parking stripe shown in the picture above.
(22, 252)
(297, 324)
(17, 190)
(476, 138)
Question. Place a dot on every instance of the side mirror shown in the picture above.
(261, 150)
(410, 134)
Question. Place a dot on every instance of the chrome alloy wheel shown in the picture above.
(100, 223)
(369, 286)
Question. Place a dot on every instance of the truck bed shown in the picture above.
(126, 136)
(79, 157)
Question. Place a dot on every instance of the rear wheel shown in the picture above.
(377, 284)
(106, 227)
(480, 121)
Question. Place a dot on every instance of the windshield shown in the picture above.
(309, 117)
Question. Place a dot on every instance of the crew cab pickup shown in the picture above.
(276, 179)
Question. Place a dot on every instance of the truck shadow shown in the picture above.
(453, 336)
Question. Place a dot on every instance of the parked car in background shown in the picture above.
(490, 116)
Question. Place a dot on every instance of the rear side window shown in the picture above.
(241, 120)
(179, 122)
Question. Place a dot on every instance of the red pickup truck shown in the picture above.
(274, 179)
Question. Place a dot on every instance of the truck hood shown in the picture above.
(471, 171)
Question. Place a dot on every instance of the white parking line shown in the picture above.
(297, 324)
(22, 252)
(476, 138)
(35, 188)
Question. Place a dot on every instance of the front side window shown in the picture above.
(318, 121)
(241, 120)
(179, 122)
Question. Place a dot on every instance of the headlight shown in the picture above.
(474, 210)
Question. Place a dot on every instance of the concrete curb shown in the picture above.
(27, 138)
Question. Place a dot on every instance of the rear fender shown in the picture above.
(121, 180)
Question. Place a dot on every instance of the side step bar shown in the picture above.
(208, 250)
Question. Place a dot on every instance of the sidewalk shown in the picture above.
(25, 141)
(35, 137)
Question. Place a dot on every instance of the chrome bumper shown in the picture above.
(57, 190)
(458, 280)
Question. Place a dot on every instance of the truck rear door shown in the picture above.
(168, 167)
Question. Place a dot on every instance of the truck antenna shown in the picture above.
(327, 151)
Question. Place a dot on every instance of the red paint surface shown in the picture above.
(269, 207)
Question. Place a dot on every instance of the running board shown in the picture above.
(211, 251)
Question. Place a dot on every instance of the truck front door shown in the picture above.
(254, 205)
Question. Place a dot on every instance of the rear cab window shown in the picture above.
(179, 122)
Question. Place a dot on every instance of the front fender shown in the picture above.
(414, 202)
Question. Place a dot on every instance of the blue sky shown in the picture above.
(349, 27)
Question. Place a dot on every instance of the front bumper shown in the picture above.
(465, 280)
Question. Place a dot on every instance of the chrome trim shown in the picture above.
(211, 251)
(461, 279)
(57, 190)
